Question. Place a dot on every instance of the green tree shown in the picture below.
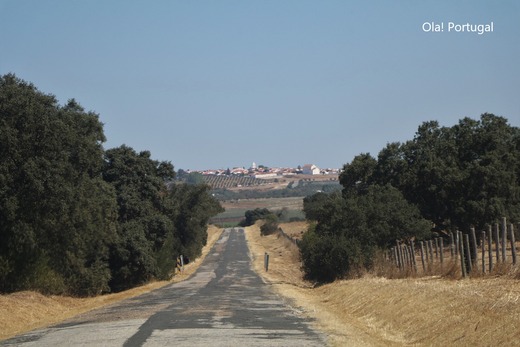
(144, 223)
(56, 215)
(313, 205)
(251, 216)
(195, 178)
(357, 175)
(195, 206)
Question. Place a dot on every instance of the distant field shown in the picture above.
(247, 182)
(236, 209)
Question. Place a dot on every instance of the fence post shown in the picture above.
(452, 245)
(497, 243)
(468, 253)
(430, 250)
(409, 254)
(442, 252)
(422, 257)
(414, 262)
(266, 261)
(400, 255)
(180, 263)
(513, 246)
(504, 239)
(474, 248)
(461, 252)
(483, 245)
(457, 243)
(490, 248)
(405, 256)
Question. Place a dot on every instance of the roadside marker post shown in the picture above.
(180, 264)
(266, 261)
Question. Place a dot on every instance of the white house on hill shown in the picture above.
(310, 169)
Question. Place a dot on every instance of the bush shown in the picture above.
(251, 216)
(270, 226)
(330, 257)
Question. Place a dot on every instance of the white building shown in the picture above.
(310, 169)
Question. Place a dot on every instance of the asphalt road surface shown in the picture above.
(225, 303)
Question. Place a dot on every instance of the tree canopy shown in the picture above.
(77, 219)
(445, 178)
(460, 176)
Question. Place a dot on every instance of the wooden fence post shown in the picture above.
(457, 243)
(406, 256)
(452, 245)
(396, 256)
(442, 252)
(400, 254)
(468, 253)
(436, 248)
(474, 248)
(490, 248)
(483, 245)
(410, 256)
(513, 246)
(497, 243)
(430, 250)
(422, 257)
(461, 252)
(398, 259)
(504, 239)
(414, 262)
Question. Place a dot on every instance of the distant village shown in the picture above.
(263, 172)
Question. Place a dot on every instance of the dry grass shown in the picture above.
(295, 203)
(373, 311)
(295, 229)
(24, 311)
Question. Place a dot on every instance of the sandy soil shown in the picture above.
(25, 311)
(375, 311)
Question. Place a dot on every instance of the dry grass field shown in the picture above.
(293, 203)
(236, 209)
(295, 229)
(375, 311)
(24, 311)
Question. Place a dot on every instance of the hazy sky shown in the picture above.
(217, 84)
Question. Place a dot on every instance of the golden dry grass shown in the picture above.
(375, 311)
(24, 311)
(295, 229)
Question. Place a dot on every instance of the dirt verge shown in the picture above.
(373, 311)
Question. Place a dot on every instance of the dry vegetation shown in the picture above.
(295, 229)
(375, 311)
(24, 311)
(294, 203)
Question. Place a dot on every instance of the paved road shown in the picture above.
(225, 303)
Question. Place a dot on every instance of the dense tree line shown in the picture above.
(80, 220)
(445, 178)
(460, 176)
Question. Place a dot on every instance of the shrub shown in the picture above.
(329, 257)
(270, 225)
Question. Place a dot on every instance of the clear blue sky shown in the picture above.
(217, 84)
